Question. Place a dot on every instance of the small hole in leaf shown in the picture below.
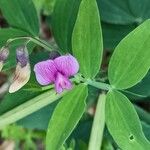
(131, 137)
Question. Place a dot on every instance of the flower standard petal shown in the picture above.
(45, 72)
(67, 65)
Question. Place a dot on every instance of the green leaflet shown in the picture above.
(63, 20)
(21, 14)
(124, 12)
(123, 123)
(87, 38)
(65, 117)
(130, 61)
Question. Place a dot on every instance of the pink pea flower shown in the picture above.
(57, 71)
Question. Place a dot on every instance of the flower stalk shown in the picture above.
(34, 40)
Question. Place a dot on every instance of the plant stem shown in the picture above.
(99, 85)
(78, 79)
(29, 107)
(42, 43)
(34, 40)
(98, 124)
(45, 88)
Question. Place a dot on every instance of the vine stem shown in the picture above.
(99, 85)
(98, 124)
(29, 107)
(34, 40)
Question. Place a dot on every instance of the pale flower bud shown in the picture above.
(4, 52)
(23, 70)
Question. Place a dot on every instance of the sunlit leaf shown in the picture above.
(123, 123)
(130, 61)
(87, 38)
(66, 116)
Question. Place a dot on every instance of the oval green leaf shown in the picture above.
(87, 42)
(65, 117)
(130, 61)
(123, 123)
(21, 14)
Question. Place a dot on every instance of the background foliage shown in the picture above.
(59, 17)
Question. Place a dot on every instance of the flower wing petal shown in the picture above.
(62, 83)
(67, 65)
(45, 72)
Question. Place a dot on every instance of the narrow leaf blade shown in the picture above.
(87, 38)
(65, 117)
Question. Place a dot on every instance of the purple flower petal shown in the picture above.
(45, 72)
(62, 83)
(67, 65)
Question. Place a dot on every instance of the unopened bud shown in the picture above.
(4, 52)
(54, 54)
(22, 55)
(23, 70)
